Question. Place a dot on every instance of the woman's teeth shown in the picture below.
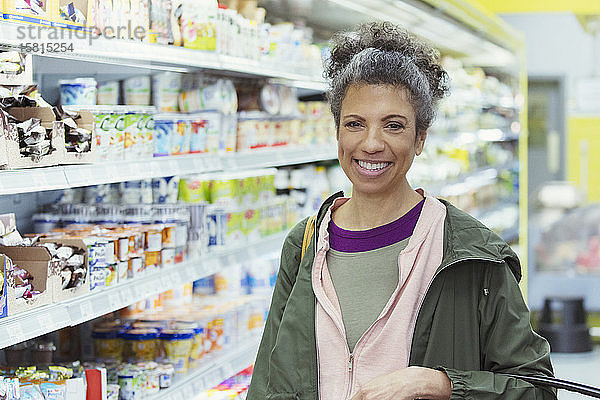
(373, 166)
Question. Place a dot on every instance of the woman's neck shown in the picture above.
(365, 211)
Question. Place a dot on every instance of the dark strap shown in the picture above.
(540, 380)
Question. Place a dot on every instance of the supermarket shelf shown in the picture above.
(25, 326)
(217, 368)
(152, 56)
(62, 177)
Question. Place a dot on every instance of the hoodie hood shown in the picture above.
(467, 238)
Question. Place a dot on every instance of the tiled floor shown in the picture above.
(581, 368)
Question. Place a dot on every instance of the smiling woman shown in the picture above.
(400, 295)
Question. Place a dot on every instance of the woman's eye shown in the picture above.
(352, 124)
(395, 126)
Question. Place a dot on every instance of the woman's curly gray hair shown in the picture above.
(381, 53)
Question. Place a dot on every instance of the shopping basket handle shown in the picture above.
(540, 380)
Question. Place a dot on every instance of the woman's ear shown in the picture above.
(420, 142)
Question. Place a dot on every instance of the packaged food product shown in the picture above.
(117, 136)
(112, 392)
(108, 345)
(108, 93)
(180, 140)
(216, 226)
(178, 346)
(165, 190)
(136, 267)
(166, 375)
(146, 129)
(140, 344)
(213, 128)
(198, 135)
(79, 91)
(137, 90)
(54, 390)
(133, 141)
(130, 383)
(166, 88)
(164, 130)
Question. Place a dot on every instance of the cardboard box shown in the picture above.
(15, 159)
(30, 15)
(25, 77)
(86, 121)
(75, 14)
(58, 293)
(38, 262)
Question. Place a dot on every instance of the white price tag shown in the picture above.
(45, 322)
(39, 180)
(135, 170)
(136, 293)
(127, 297)
(173, 167)
(112, 173)
(87, 310)
(198, 163)
(15, 333)
(114, 301)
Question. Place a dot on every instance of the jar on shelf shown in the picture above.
(108, 344)
(140, 344)
(177, 345)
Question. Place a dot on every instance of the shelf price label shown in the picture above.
(87, 310)
(114, 301)
(45, 322)
(15, 333)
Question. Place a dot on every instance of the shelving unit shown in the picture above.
(455, 26)
(62, 177)
(49, 318)
(217, 368)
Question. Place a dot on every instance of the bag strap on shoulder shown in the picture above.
(308, 232)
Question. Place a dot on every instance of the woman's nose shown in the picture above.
(373, 141)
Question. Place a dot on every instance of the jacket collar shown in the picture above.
(465, 238)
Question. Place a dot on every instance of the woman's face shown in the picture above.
(377, 138)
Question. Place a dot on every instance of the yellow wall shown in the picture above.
(584, 130)
(538, 6)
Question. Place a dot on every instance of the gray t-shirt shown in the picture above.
(364, 283)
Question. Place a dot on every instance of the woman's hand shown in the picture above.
(407, 384)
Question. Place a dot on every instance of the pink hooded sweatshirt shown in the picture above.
(385, 346)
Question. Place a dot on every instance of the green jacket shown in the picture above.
(473, 323)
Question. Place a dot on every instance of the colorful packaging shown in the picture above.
(213, 130)
(107, 344)
(78, 92)
(180, 141)
(133, 137)
(198, 136)
(140, 344)
(193, 189)
(146, 127)
(103, 135)
(117, 136)
(164, 130)
(178, 348)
